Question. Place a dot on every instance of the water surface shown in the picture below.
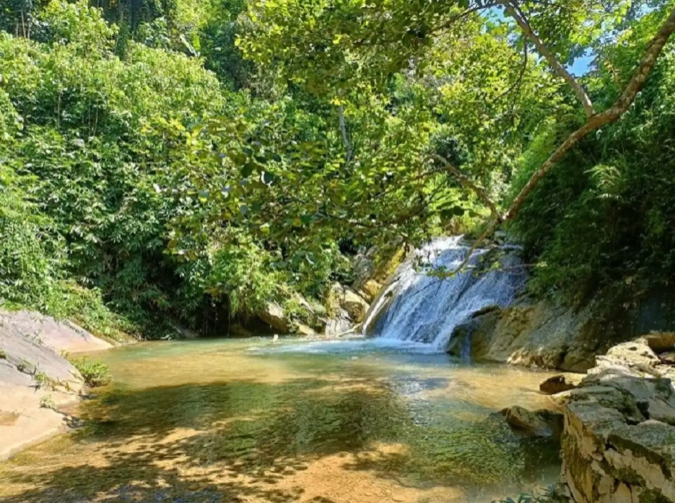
(256, 421)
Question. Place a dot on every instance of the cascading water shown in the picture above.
(417, 307)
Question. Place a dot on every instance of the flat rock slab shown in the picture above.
(58, 335)
(35, 376)
(24, 422)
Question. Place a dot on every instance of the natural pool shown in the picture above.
(253, 420)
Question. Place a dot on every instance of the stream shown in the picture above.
(252, 420)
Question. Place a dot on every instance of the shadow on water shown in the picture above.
(248, 440)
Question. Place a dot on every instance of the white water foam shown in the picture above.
(423, 309)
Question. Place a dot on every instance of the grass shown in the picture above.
(94, 373)
(47, 402)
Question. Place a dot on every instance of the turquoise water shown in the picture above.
(325, 421)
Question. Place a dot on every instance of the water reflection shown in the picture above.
(198, 422)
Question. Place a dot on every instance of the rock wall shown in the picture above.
(347, 309)
(617, 444)
(541, 334)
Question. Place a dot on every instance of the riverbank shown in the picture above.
(36, 379)
(616, 425)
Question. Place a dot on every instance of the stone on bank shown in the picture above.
(617, 444)
(36, 378)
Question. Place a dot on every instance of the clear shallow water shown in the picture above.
(256, 421)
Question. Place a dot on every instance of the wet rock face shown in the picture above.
(546, 335)
(530, 334)
(618, 438)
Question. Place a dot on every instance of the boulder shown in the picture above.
(660, 341)
(667, 358)
(302, 329)
(633, 358)
(274, 315)
(355, 306)
(541, 423)
(559, 383)
(339, 324)
(370, 290)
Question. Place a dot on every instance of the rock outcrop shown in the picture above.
(273, 314)
(35, 377)
(340, 323)
(355, 306)
(540, 334)
(370, 290)
(618, 439)
(347, 310)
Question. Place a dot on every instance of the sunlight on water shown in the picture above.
(255, 421)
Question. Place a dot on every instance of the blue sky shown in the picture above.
(581, 65)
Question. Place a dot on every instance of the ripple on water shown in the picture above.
(249, 421)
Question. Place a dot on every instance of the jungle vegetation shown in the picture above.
(186, 161)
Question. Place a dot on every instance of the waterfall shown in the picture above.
(417, 307)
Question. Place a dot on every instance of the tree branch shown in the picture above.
(346, 138)
(517, 82)
(512, 8)
(463, 14)
(464, 180)
(595, 122)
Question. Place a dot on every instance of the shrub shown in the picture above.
(94, 373)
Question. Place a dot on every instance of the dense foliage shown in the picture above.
(183, 162)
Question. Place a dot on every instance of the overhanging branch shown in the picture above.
(464, 180)
(512, 8)
(595, 122)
